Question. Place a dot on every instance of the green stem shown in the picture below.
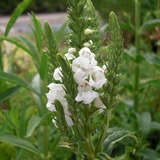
(104, 131)
(137, 65)
(1, 61)
(89, 145)
(158, 5)
(45, 142)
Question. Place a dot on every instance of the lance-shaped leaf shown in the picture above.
(115, 138)
(150, 24)
(38, 33)
(17, 12)
(29, 45)
(43, 66)
(8, 93)
(19, 45)
(52, 50)
(33, 123)
(14, 79)
(18, 142)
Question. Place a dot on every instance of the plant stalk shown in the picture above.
(45, 142)
(137, 45)
(104, 131)
(1, 61)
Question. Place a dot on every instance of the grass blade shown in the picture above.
(33, 123)
(14, 79)
(17, 12)
(8, 93)
(19, 143)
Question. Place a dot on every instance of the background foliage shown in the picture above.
(103, 6)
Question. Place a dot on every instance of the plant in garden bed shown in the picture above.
(86, 109)
(84, 90)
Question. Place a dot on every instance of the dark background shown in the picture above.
(103, 6)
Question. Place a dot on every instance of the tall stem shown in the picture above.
(1, 62)
(45, 142)
(45, 127)
(137, 65)
(104, 131)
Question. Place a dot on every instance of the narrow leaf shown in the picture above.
(29, 44)
(19, 143)
(33, 123)
(37, 31)
(18, 44)
(17, 12)
(150, 24)
(14, 79)
(43, 66)
(8, 93)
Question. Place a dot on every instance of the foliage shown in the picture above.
(128, 125)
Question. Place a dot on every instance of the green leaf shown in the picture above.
(8, 93)
(36, 84)
(18, 142)
(144, 121)
(150, 81)
(150, 24)
(149, 154)
(15, 42)
(14, 79)
(29, 44)
(17, 12)
(155, 126)
(43, 66)
(33, 123)
(61, 31)
(115, 137)
(38, 33)
(127, 27)
(152, 58)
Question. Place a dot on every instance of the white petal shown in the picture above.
(51, 107)
(80, 76)
(87, 97)
(97, 78)
(99, 104)
(57, 74)
(71, 50)
(69, 56)
(54, 122)
(69, 121)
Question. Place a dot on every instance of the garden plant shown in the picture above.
(89, 92)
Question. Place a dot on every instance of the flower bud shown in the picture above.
(88, 31)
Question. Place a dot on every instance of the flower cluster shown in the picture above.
(87, 75)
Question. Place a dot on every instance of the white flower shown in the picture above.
(88, 44)
(71, 50)
(69, 120)
(57, 75)
(51, 107)
(104, 67)
(54, 122)
(85, 61)
(81, 62)
(88, 31)
(85, 93)
(86, 52)
(97, 78)
(80, 75)
(70, 55)
(99, 104)
(57, 92)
